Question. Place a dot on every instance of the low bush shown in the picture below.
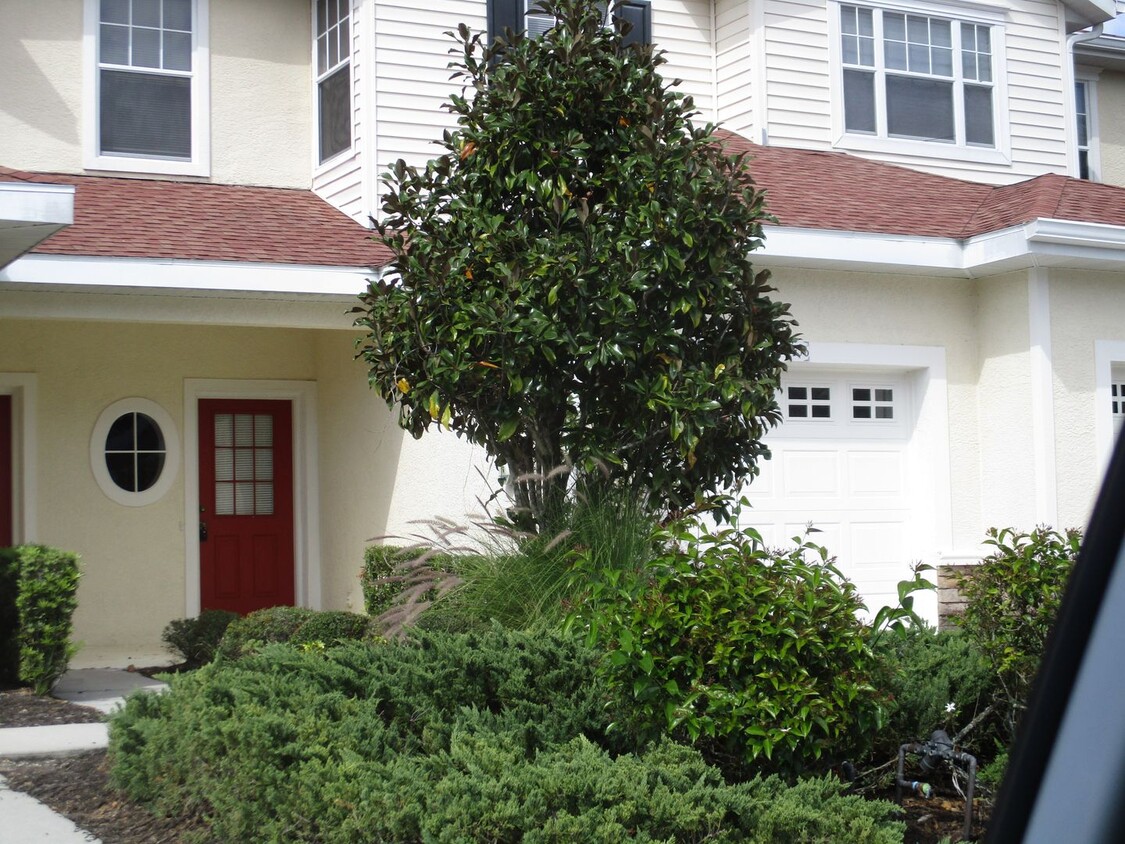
(755, 655)
(38, 594)
(1011, 601)
(499, 737)
(197, 639)
(935, 680)
(292, 625)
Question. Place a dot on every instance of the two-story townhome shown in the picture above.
(184, 190)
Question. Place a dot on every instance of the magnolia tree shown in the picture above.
(571, 283)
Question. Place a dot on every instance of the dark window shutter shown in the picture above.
(639, 14)
(504, 14)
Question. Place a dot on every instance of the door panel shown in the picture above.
(246, 504)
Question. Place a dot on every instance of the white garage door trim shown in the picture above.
(918, 426)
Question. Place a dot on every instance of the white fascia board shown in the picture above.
(33, 202)
(216, 277)
(859, 251)
(30, 213)
(1042, 242)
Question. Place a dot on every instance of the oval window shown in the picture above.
(134, 451)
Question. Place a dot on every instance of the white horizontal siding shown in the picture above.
(340, 181)
(799, 85)
(683, 30)
(412, 55)
(734, 103)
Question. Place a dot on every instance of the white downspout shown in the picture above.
(1069, 100)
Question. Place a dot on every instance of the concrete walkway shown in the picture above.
(25, 819)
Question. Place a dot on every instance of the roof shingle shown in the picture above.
(147, 218)
(835, 190)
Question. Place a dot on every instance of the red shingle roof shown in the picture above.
(805, 189)
(145, 218)
(834, 190)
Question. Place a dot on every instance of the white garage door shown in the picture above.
(841, 461)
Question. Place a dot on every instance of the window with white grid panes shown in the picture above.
(244, 464)
(917, 77)
(804, 402)
(145, 71)
(333, 77)
(1117, 393)
(872, 403)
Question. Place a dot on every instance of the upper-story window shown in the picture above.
(528, 16)
(918, 77)
(1087, 135)
(333, 77)
(147, 86)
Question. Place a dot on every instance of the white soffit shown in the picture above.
(29, 214)
(1040, 243)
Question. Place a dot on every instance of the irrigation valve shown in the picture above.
(936, 753)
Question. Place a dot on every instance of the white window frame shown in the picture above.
(319, 166)
(200, 162)
(957, 11)
(169, 472)
(1089, 79)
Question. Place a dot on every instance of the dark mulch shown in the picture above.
(78, 786)
(21, 708)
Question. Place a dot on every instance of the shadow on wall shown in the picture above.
(39, 103)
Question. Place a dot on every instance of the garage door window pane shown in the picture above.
(808, 402)
(873, 403)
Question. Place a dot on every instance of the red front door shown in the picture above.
(245, 504)
(6, 475)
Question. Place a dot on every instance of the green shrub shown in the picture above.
(755, 655)
(934, 680)
(492, 737)
(293, 625)
(197, 639)
(9, 617)
(382, 575)
(46, 597)
(1011, 601)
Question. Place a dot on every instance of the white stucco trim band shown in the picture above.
(172, 274)
(306, 479)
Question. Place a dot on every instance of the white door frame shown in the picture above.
(306, 479)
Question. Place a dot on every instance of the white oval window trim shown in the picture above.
(168, 471)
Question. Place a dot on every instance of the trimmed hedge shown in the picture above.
(197, 639)
(38, 596)
(293, 625)
(494, 737)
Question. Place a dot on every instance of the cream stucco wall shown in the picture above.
(134, 557)
(1085, 307)
(1004, 409)
(261, 89)
(1111, 126)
